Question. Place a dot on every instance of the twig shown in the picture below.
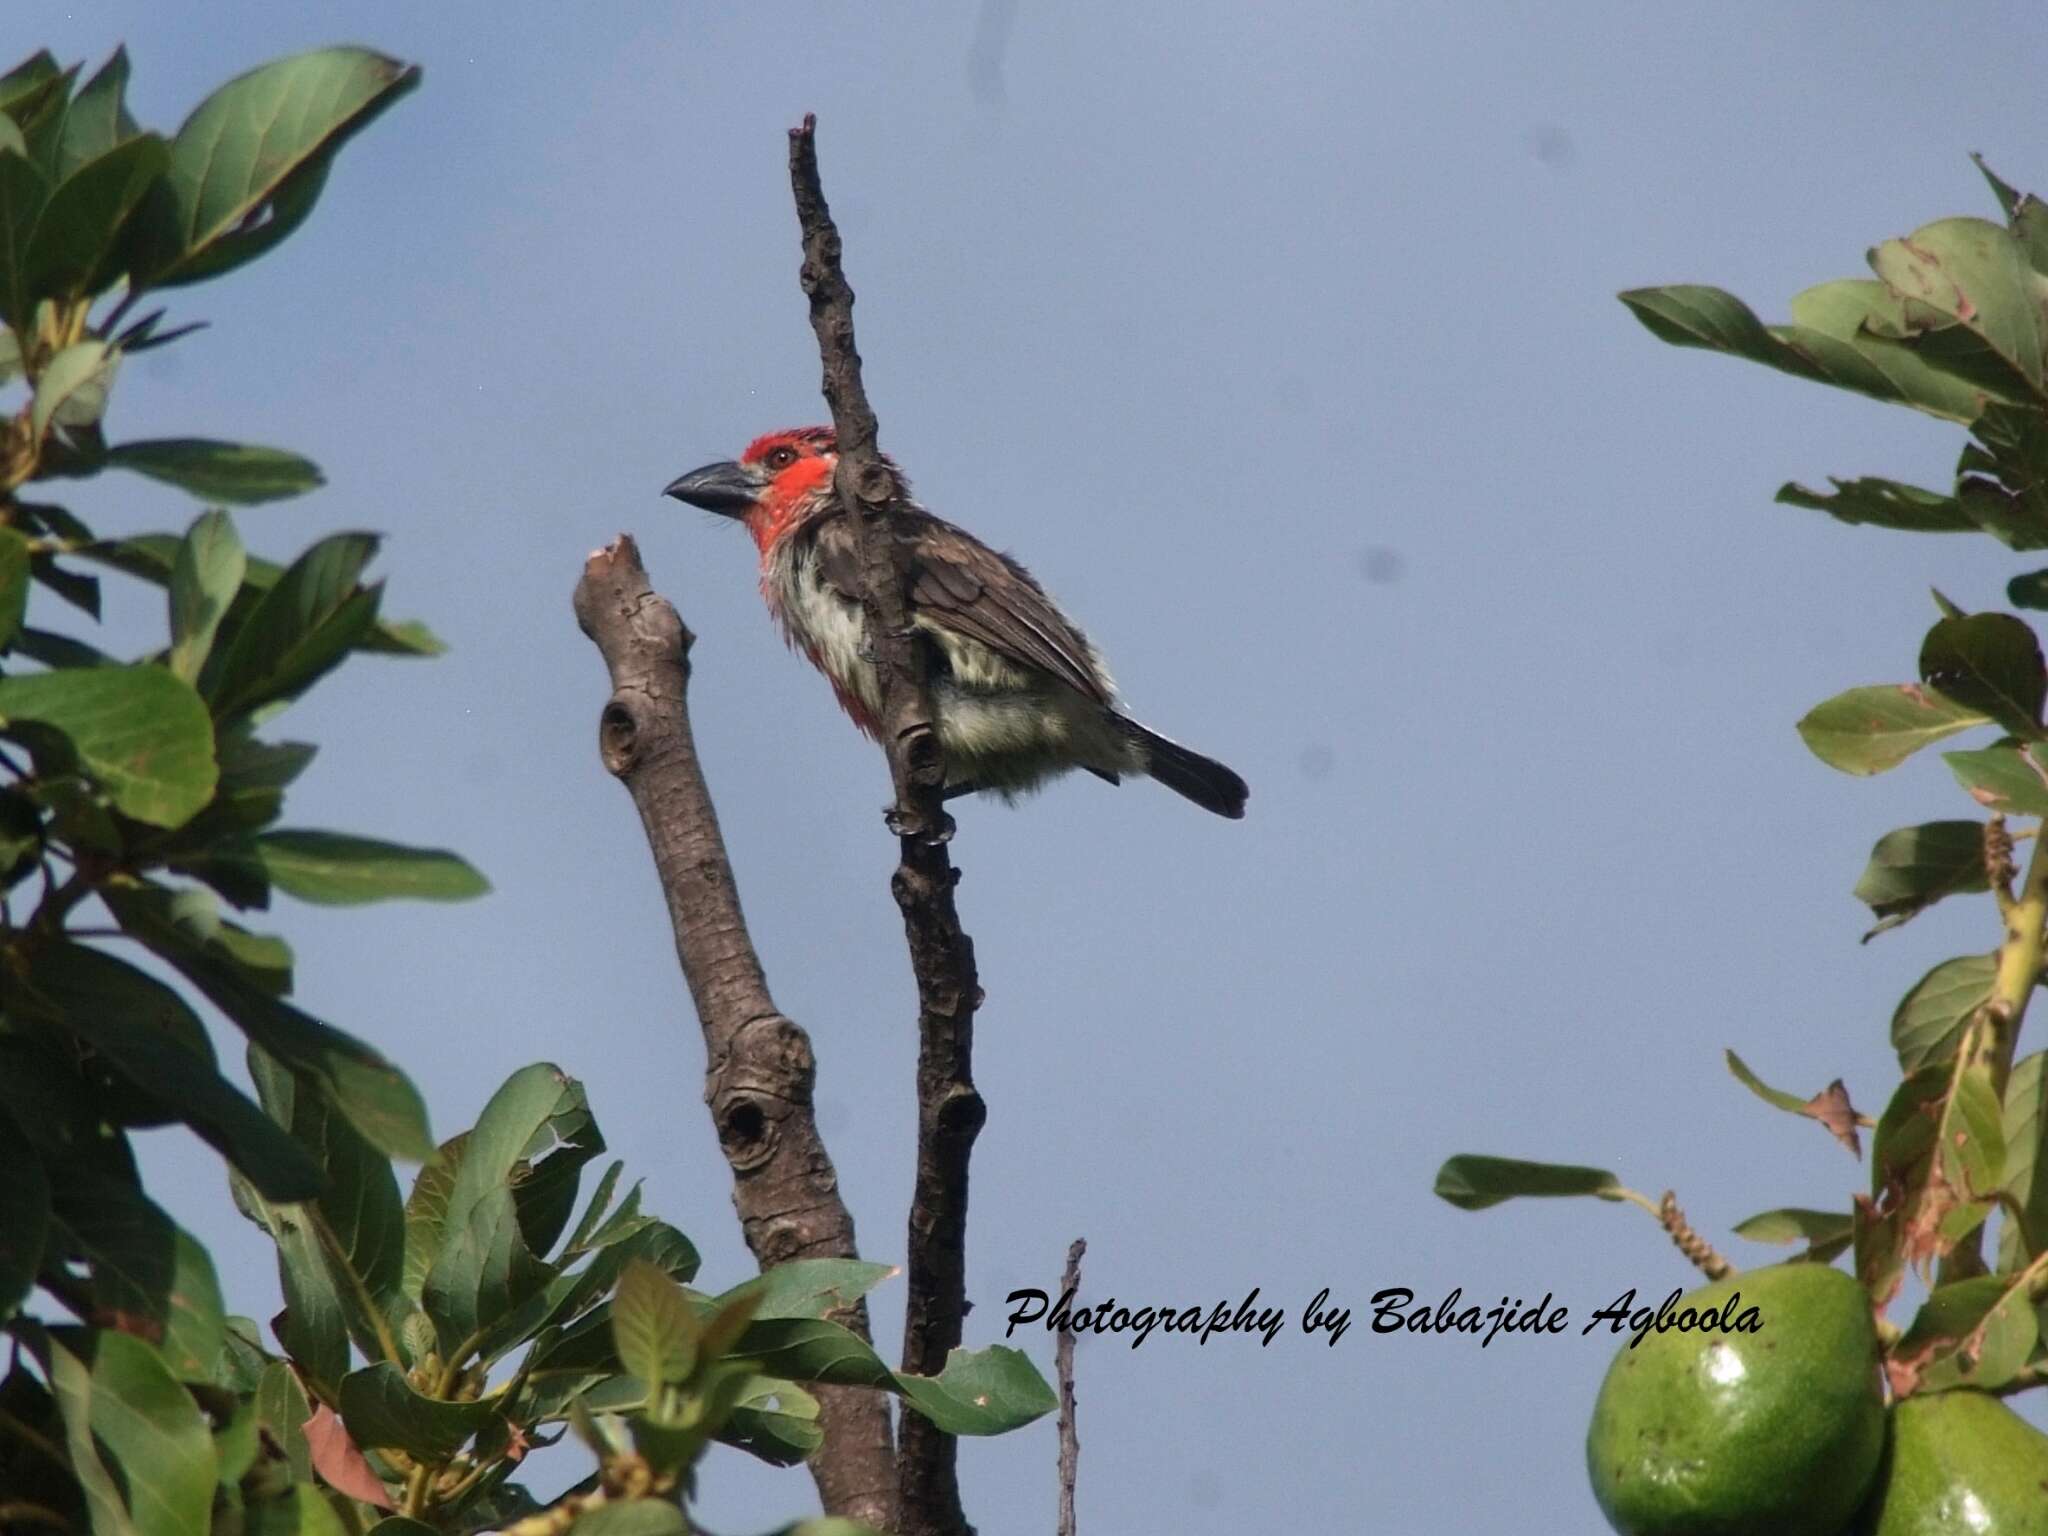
(1063, 1365)
(1997, 1024)
(950, 1111)
(759, 1069)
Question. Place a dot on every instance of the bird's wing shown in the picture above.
(960, 584)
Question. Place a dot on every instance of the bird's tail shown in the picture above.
(1201, 779)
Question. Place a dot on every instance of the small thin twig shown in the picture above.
(1063, 1364)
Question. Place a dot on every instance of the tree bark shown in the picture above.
(950, 1110)
(759, 1069)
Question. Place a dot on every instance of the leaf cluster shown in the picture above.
(428, 1341)
(1954, 323)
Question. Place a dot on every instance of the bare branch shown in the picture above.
(950, 1111)
(1063, 1365)
(759, 1069)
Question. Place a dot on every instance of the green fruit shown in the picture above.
(1960, 1464)
(1715, 1431)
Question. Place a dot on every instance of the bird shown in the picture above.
(1019, 695)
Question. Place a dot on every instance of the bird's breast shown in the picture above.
(828, 628)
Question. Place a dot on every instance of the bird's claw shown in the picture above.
(904, 824)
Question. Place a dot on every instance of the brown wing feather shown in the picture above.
(958, 582)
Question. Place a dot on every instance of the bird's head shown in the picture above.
(782, 480)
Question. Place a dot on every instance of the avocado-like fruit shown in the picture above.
(1959, 1464)
(1716, 1431)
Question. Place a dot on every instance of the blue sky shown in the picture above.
(1281, 342)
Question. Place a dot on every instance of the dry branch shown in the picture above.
(950, 1111)
(1063, 1365)
(759, 1069)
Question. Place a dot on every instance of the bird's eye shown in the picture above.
(781, 458)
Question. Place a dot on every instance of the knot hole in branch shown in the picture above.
(962, 1114)
(746, 1134)
(618, 737)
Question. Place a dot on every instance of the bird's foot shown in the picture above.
(903, 825)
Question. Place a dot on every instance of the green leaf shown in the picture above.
(811, 1287)
(14, 567)
(152, 556)
(298, 630)
(1929, 1020)
(1867, 730)
(313, 1328)
(282, 1406)
(1995, 1345)
(1473, 1182)
(2025, 1235)
(1912, 868)
(305, 1509)
(426, 1211)
(139, 731)
(72, 391)
(1777, 1098)
(594, 1212)
(980, 1392)
(71, 252)
(484, 1268)
(1791, 1224)
(204, 581)
(257, 149)
(1846, 333)
(147, 1275)
(24, 1215)
(2002, 475)
(382, 1411)
(23, 191)
(81, 592)
(656, 1328)
(236, 473)
(2009, 779)
(375, 1096)
(1969, 276)
(148, 1033)
(98, 118)
(359, 1202)
(337, 869)
(545, 1180)
(196, 1328)
(70, 1384)
(1945, 1321)
(160, 916)
(1969, 1150)
(404, 637)
(1990, 663)
(117, 1391)
(1882, 504)
(23, 87)
(774, 1420)
(2028, 591)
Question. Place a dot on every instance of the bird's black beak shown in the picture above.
(725, 488)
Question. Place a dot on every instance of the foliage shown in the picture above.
(1954, 323)
(426, 1343)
